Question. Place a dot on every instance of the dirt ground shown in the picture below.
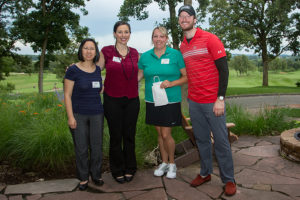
(11, 175)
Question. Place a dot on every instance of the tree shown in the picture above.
(47, 27)
(8, 11)
(136, 8)
(241, 64)
(63, 58)
(278, 64)
(269, 27)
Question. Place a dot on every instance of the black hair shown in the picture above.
(97, 56)
(119, 23)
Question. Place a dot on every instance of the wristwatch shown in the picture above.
(221, 98)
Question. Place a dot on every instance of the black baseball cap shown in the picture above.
(187, 8)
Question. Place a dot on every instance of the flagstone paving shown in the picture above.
(260, 173)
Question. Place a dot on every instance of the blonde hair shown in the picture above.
(162, 29)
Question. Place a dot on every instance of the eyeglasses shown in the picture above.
(185, 17)
(88, 49)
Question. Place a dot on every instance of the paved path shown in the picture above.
(260, 173)
(256, 102)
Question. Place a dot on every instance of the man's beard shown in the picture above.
(188, 28)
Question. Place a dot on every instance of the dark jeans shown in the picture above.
(88, 135)
(121, 115)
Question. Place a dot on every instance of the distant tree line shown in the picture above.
(243, 64)
(51, 27)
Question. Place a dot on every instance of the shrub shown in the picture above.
(298, 83)
(35, 134)
(9, 87)
(268, 121)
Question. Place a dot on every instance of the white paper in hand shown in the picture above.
(160, 97)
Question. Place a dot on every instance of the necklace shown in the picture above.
(123, 55)
(123, 59)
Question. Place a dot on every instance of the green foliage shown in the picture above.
(250, 84)
(47, 27)
(298, 83)
(259, 25)
(64, 58)
(27, 83)
(22, 64)
(241, 64)
(137, 9)
(269, 121)
(278, 64)
(9, 87)
(34, 134)
(291, 112)
(9, 10)
(6, 64)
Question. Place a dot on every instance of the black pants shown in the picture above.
(88, 136)
(121, 115)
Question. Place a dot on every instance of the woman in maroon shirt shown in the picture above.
(121, 102)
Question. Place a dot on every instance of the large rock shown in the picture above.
(82, 196)
(249, 176)
(143, 180)
(63, 185)
(183, 191)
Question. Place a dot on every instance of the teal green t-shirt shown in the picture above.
(167, 67)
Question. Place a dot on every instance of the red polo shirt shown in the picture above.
(199, 56)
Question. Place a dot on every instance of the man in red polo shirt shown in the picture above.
(207, 71)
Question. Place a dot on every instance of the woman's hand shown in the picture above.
(72, 123)
(166, 84)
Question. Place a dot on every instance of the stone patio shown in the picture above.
(260, 173)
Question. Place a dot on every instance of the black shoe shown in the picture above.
(128, 177)
(120, 179)
(98, 182)
(83, 186)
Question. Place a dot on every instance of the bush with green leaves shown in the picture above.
(268, 121)
(34, 132)
(9, 87)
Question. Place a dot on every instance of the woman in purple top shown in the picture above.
(82, 86)
(121, 102)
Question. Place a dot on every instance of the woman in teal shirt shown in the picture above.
(168, 65)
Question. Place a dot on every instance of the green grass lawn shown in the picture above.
(26, 83)
(281, 82)
(34, 132)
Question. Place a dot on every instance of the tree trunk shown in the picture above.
(265, 60)
(42, 61)
(173, 20)
(265, 70)
(43, 53)
(187, 2)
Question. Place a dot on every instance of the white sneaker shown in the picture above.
(172, 171)
(161, 170)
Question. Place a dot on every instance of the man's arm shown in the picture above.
(222, 67)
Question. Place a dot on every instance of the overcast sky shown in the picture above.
(101, 18)
(102, 15)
